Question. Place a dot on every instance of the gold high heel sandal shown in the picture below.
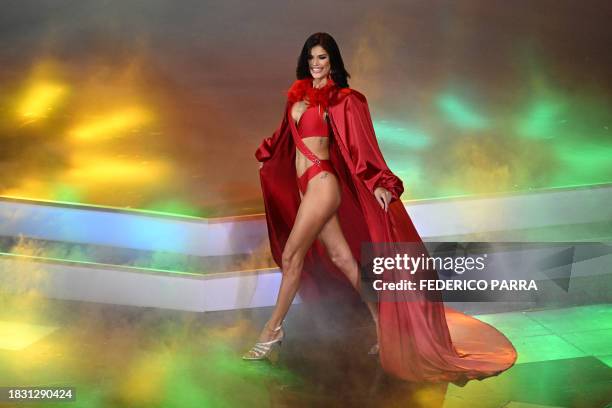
(262, 350)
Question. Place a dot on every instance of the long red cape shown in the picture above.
(415, 333)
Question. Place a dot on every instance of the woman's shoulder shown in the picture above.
(297, 90)
(351, 92)
(349, 95)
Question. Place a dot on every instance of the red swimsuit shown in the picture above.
(310, 124)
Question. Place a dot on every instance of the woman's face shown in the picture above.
(318, 61)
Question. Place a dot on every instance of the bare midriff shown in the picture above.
(318, 145)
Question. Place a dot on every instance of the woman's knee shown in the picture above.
(343, 260)
(292, 262)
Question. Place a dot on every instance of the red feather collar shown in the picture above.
(303, 89)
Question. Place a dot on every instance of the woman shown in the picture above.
(326, 190)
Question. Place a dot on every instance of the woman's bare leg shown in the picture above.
(320, 202)
(340, 253)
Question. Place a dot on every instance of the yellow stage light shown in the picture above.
(114, 124)
(17, 336)
(40, 99)
(94, 169)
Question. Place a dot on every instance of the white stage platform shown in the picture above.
(572, 214)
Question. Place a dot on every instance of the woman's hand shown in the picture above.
(260, 165)
(383, 196)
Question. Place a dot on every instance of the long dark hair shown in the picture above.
(338, 73)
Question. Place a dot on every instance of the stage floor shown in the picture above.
(146, 357)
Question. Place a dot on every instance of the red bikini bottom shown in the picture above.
(317, 167)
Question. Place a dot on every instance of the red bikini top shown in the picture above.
(312, 124)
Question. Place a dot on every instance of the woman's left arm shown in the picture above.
(370, 166)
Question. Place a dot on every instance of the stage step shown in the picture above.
(135, 258)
